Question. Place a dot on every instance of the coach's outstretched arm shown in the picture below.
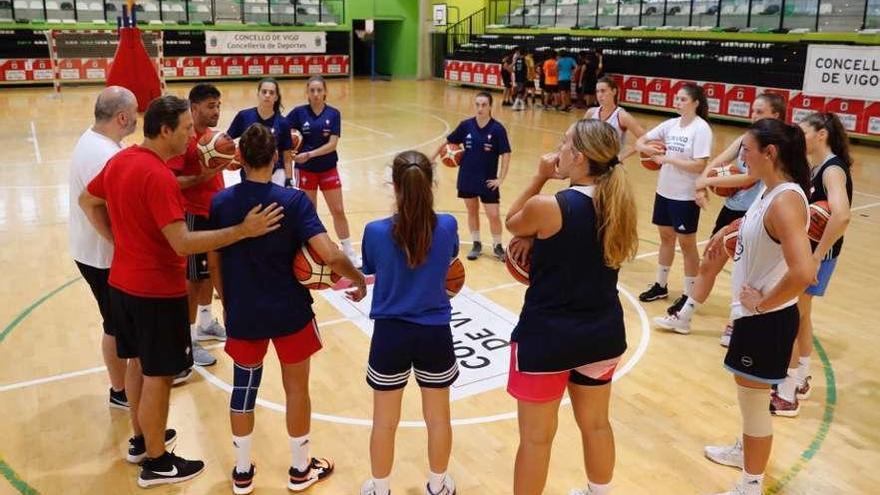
(258, 221)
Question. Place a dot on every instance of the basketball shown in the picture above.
(450, 155)
(731, 234)
(820, 212)
(311, 271)
(649, 162)
(236, 162)
(519, 272)
(216, 149)
(725, 171)
(454, 278)
(297, 139)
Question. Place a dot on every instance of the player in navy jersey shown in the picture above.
(410, 253)
(268, 113)
(571, 331)
(320, 126)
(264, 301)
(485, 142)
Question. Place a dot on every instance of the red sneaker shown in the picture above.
(782, 407)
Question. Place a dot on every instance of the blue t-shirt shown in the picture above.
(417, 295)
(276, 123)
(742, 199)
(482, 147)
(262, 297)
(316, 131)
(564, 66)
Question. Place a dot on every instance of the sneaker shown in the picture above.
(369, 488)
(654, 292)
(725, 336)
(737, 490)
(506, 104)
(182, 377)
(475, 251)
(499, 253)
(318, 470)
(119, 400)
(243, 483)
(673, 323)
(782, 407)
(677, 305)
(168, 468)
(803, 390)
(448, 487)
(201, 357)
(726, 455)
(214, 331)
(137, 448)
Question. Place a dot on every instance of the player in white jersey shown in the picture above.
(616, 116)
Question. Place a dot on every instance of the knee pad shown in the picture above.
(246, 383)
(754, 403)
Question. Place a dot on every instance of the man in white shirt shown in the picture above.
(115, 118)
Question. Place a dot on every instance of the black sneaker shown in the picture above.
(168, 468)
(653, 293)
(118, 399)
(499, 252)
(677, 305)
(318, 470)
(137, 448)
(243, 483)
(475, 251)
(506, 104)
(182, 377)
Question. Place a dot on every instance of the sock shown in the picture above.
(435, 481)
(383, 485)
(242, 448)
(475, 235)
(203, 316)
(689, 285)
(752, 483)
(662, 275)
(687, 311)
(496, 239)
(803, 370)
(193, 330)
(346, 245)
(787, 389)
(597, 489)
(299, 450)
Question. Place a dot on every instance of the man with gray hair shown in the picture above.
(115, 118)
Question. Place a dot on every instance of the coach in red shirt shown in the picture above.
(135, 202)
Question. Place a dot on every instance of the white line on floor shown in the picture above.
(34, 140)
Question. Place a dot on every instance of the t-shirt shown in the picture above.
(89, 157)
(417, 295)
(276, 123)
(686, 143)
(142, 198)
(564, 66)
(197, 198)
(551, 76)
(482, 147)
(262, 297)
(519, 69)
(743, 198)
(316, 131)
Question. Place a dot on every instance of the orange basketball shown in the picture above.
(216, 149)
(236, 162)
(820, 212)
(297, 139)
(520, 272)
(647, 161)
(311, 271)
(450, 154)
(454, 278)
(731, 236)
(725, 171)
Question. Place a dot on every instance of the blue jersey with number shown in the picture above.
(482, 147)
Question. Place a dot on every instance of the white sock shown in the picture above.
(689, 285)
(203, 316)
(752, 483)
(662, 275)
(242, 448)
(687, 311)
(787, 389)
(475, 235)
(803, 370)
(597, 489)
(496, 240)
(299, 452)
(435, 481)
(346, 245)
(193, 331)
(383, 485)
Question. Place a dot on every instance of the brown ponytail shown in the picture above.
(414, 223)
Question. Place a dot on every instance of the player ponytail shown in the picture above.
(257, 146)
(837, 139)
(413, 175)
(791, 149)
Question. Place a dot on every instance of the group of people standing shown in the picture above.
(559, 80)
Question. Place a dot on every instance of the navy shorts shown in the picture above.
(761, 345)
(399, 346)
(682, 216)
(487, 197)
(725, 216)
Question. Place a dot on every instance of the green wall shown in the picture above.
(396, 42)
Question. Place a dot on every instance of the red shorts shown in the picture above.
(311, 181)
(291, 349)
(547, 387)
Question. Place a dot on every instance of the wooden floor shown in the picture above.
(57, 434)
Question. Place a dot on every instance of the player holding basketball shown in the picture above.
(485, 142)
(264, 301)
(688, 141)
(410, 253)
(316, 163)
(268, 113)
(828, 149)
(571, 329)
(772, 265)
(609, 111)
(765, 106)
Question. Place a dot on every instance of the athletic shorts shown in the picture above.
(683, 216)
(565, 86)
(487, 197)
(826, 268)
(197, 264)
(725, 216)
(399, 346)
(291, 348)
(550, 88)
(312, 181)
(547, 387)
(97, 280)
(760, 346)
(505, 80)
(154, 330)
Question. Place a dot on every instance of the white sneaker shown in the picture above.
(726, 455)
(368, 488)
(741, 489)
(448, 487)
(202, 357)
(214, 331)
(672, 322)
(725, 337)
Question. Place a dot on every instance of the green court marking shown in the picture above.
(16, 482)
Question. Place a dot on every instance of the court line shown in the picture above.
(517, 124)
(360, 126)
(446, 131)
(36, 143)
(875, 196)
(865, 207)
